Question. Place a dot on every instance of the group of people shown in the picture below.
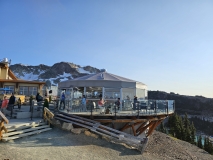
(101, 102)
(8, 105)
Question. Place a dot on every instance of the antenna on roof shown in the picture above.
(103, 70)
(102, 75)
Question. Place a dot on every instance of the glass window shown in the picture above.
(10, 90)
(33, 90)
(112, 93)
(128, 93)
(93, 92)
(140, 93)
(23, 91)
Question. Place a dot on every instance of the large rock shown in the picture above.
(88, 133)
(67, 126)
(76, 130)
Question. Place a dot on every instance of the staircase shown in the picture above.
(24, 129)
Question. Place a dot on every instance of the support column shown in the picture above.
(85, 91)
(103, 92)
(121, 98)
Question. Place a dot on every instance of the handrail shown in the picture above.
(2, 127)
(139, 108)
(48, 115)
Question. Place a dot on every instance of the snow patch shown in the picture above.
(81, 70)
(29, 76)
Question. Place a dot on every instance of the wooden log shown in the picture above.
(4, 118)
(90, 125)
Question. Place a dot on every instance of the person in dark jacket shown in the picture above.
(135, 102)
(117, 103)
(11, 104)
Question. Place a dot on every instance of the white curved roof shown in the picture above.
(102, 79)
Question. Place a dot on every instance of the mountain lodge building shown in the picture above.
(11, 84)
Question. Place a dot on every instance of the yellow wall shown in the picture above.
(22, 97)
(4, 73)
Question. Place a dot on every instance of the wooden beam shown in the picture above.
(145, 127)
(119, 120)
(141, 126)
(153, 127)
(133, 129)
(128, 125)
(4, 118)
(130, 120)
(2, 128)
(124, 127)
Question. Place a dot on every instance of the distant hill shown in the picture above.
(52, 74)
(197, 105)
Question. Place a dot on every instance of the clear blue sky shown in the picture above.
(166, 44)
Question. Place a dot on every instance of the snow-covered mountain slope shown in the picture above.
(51, 74)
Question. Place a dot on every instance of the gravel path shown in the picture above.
(63, 145)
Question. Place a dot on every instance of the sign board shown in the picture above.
(4, 118)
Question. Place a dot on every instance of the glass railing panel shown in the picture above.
(161, 106)
(142, 107)
(127, 105)
(171, 106)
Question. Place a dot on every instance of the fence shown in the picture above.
(128, 107)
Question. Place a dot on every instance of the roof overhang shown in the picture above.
(100, 83)
(20, 81)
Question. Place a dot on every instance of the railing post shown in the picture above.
(167, 107)
(155, 107)
(115, 112)
(91, 117)
(31, 107)
(138, 109)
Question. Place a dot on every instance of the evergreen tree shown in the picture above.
(193, 133)
(188, 134)
(208, 146)
(162, 128)
(205, 147)
(179, 127)
(199, 142)
(186, 125)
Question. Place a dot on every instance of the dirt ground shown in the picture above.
(58, 144)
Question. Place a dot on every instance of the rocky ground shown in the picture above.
(63, 145)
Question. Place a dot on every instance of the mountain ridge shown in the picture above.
(51, 74)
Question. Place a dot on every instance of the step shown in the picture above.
(25, 127)
(24, 131)
(25, 134)
(23, 124)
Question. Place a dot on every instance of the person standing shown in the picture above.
(19, 103)
(83, 102)
(117, 103)
(135, 102)
(101, 105)
(62, 100)
(4, 105)
(11, 104)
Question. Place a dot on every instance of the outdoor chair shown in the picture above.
(102, 109)
(95, 107)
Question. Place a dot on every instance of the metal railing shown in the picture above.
(129, 107)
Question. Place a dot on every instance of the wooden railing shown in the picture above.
(2, 127)
(48, 115)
